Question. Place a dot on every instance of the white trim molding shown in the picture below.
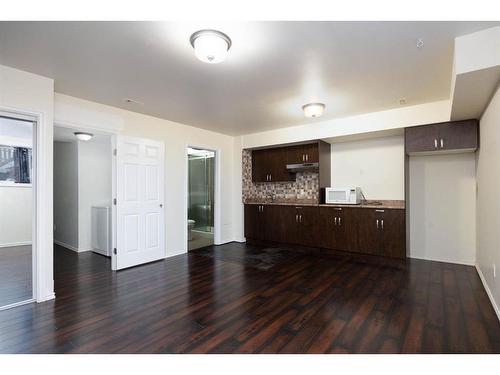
(15, 244)
(488, 292)
(70, 247)
(473, 264)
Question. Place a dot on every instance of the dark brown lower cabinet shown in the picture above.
(336, 229)
(361, 230)
(381, 232)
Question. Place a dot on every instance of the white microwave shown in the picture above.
(348, 195)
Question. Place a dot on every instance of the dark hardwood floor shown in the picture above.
(239, 299)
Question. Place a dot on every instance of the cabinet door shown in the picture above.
(459, 135)
(393, 234)
(311, 152)
(260, 166)
(422, 138)
(295, 155)
(369, 234)
(308, 218)
(334, 224)
(277, 161)
(290, 224)
(252, 222)
(272, 223)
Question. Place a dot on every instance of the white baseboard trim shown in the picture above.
(488, 292)
(31, 300)
(14, 244)
(446, 261)
(72, 248)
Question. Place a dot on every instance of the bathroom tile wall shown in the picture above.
(306, 185)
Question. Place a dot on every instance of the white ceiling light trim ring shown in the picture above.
(313, 109)
(210, 46)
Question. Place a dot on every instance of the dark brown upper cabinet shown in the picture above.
(302, 154)
(269, 165)
(445, 137)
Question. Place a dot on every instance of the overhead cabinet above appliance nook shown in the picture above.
(444, 137)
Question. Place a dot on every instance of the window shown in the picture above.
(15, 164)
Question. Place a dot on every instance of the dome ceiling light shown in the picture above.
(210, 46)
(82, 136)
(313, 109)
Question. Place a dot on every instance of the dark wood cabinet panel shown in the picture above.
(260, 166)
(302, 154)
(336, 229)
(307, 228)
(381, 232)
(459, 135)
(393, 234)
(269, 165)
(450, 136)
(253, 223)
(422, 138)
(368, 231)
(362, 230)
(311, 152)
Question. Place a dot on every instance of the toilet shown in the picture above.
(190, 229)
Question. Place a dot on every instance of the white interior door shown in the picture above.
(140, 235)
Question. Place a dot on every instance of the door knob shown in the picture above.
(161, 205)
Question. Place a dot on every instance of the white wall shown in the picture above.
(376, 165)
(30, 93)
(70, 110)
(16, 226)
(488, 207)
(443, 208)
(66, 194)
(94, 185)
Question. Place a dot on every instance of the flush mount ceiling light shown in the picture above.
(313, 109)
(82, 136)
(210, 46)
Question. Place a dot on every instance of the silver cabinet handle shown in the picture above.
(335, 221)
(382, 224)
(300, 218)
(379, 210)
(307, 157)
(270, 177)
(377, 223)
(435, 143)
(296, 218)
(442, 143)
(339, 220)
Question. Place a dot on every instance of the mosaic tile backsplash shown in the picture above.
(305, 187)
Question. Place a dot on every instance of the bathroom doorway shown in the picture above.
(201, 188)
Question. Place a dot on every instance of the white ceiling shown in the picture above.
(68, 135)
(272, 70)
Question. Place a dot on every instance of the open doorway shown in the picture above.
(201, 188)
(17, 181)
(82, 191)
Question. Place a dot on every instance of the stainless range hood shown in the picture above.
(302, 167)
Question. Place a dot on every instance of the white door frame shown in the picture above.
(113, 134)
(217, 193)
(38, 160)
